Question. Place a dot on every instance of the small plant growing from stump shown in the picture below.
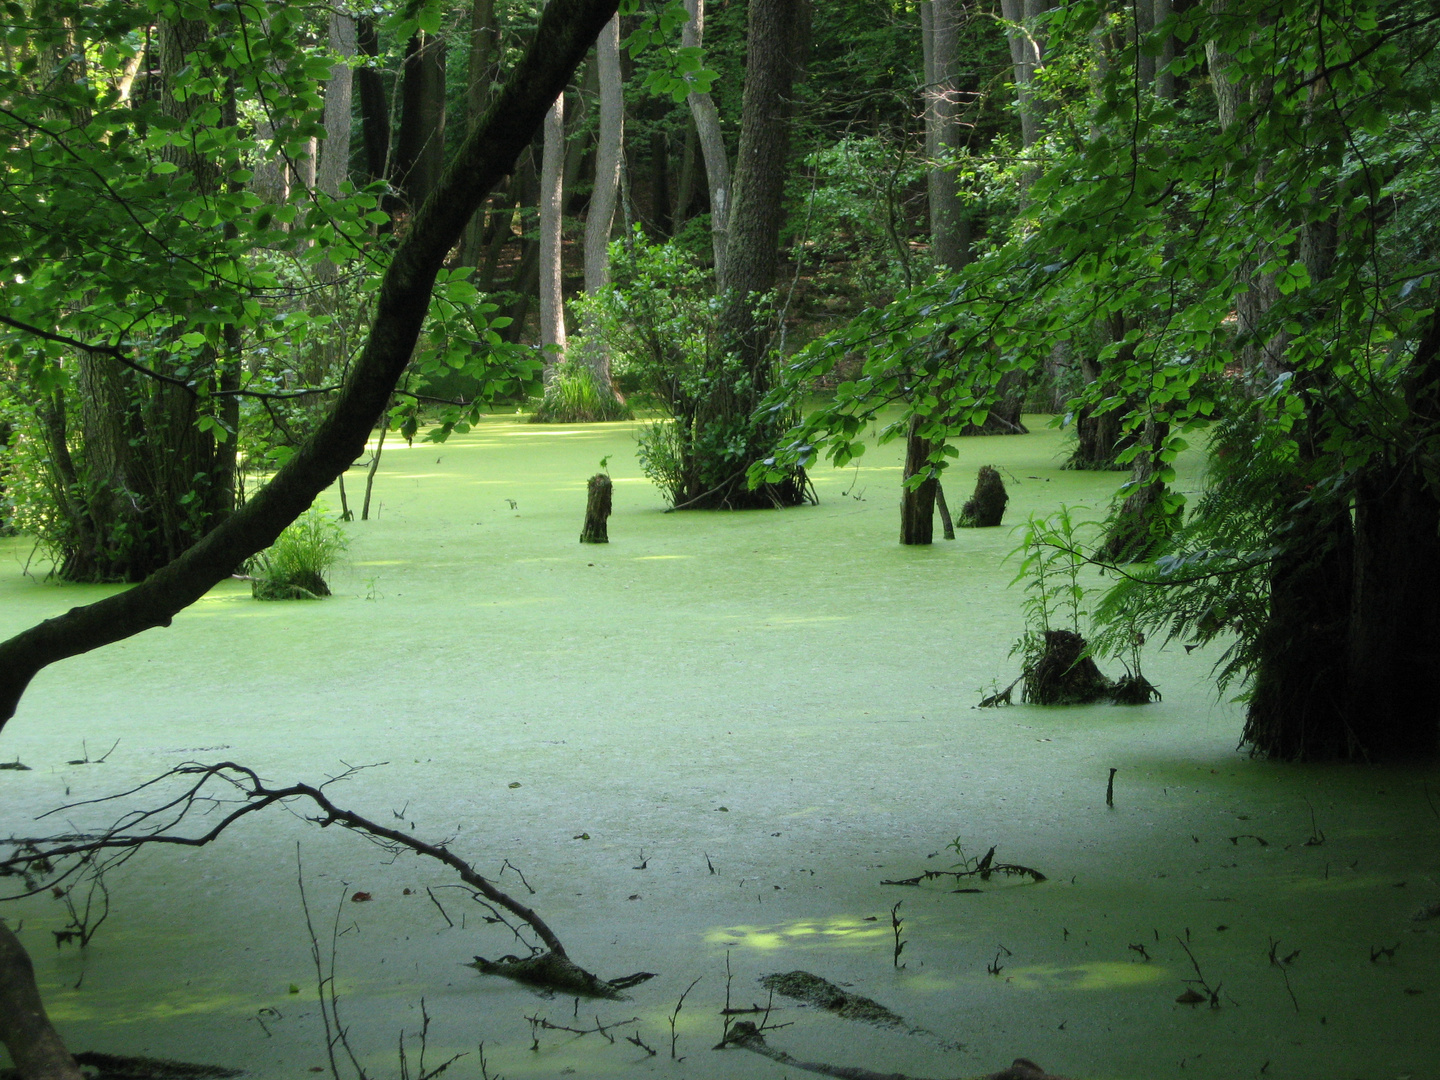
(597, 511)
(1058, 667)
(294, 567)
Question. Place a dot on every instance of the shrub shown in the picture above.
(573, 398)
(294, 567)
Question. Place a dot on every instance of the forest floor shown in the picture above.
(710, 743)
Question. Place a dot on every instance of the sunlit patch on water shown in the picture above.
(840, 930)
(1096, 975)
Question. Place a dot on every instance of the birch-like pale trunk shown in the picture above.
(600, 218)
(552, 304)
(712, 148)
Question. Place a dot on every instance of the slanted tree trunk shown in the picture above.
(712, 148)
(917, 504)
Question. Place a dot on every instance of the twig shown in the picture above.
(1199, 980)
(603, 1030)
(895, 925)
(678, 1006)
(1283, 963)
(1110, 789)
(431, 893)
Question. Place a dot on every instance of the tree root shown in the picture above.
(558, 974)
(747, 1036)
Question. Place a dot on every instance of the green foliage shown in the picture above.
(571, 397)
(1052, 561)
(294, 567)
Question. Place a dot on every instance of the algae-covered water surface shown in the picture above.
(707, 746)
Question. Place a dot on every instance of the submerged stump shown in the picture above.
(597, 511)
(986, 507)
(1064, 674)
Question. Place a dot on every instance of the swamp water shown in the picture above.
(786, 698)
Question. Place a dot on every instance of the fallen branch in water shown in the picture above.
(42, 863)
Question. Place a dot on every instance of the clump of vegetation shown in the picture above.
(986, 507)
(1058, 665)
(294, 567)
(571, 397)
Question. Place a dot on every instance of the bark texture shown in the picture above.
(597, 510)
(917, 504)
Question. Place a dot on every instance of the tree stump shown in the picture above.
(597, 510)
(987, 506)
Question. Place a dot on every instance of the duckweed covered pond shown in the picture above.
(711, 741)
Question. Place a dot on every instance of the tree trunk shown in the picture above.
(552, 301)
(1395, 613)
(597, 511)
(712, 147)
(25, 1031)
(601, 216)
(949, 222)
(917, 504)
(1140, 524)
(480, 75)
(726, 437)
(335, 158)
(374, 109)
(420, 149)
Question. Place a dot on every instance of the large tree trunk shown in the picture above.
(374, 109)
(1393, 706)
(712, 147)
(726, 436)
(335, 158)
(420, 149)
(949, 222)
(148, 481)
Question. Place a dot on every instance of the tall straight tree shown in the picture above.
(600, 217)
(552, 210)
(728, 434)
(712, 146)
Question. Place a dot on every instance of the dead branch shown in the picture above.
(41, 862)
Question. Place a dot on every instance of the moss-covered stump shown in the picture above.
(302, 585)
(597, 510)
(1064, 674)
(986, 507)
(1133, 690)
